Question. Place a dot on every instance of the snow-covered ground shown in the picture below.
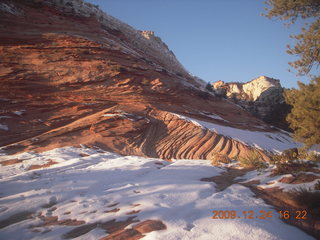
(85, 184)
(269, 181)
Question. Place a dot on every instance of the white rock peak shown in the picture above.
(257, 86)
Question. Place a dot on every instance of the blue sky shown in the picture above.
(225, 40)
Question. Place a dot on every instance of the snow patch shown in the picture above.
(4, 127)
(10, 8)
(19, 113)
(270, 141)
(113, 115)
(120, 114)
(268, 181)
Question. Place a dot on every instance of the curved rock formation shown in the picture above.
(72, 75)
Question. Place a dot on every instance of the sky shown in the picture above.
(215, 40)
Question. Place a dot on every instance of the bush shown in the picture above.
(290, 154)
(220, 158)
(292, 167)
(209, 87)
(306, 197)
(308, 155)
(252, 161)
(288, 161)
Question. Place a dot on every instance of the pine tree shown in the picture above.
(304, 118)
(308, 41)
(209, 87)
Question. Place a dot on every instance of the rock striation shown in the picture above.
(71, 74)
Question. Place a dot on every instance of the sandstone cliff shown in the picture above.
(71, 74)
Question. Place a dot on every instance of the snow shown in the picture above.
(270, 141)
(125, 115)
(19, 113)
(10, 8)
(268, 181)
(216, 117)
(85, 185)
(4, 127)
(113, 115)
(4, 117)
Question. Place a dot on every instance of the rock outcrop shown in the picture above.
(71, 74)
(262, 96)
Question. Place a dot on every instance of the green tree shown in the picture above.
(308, 41)
(304, 118)
(209, 87)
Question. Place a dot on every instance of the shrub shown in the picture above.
(306, 197)
(252, 161)
(287, 161)
(283, 167)
(314, 157)
(290, 154)
(220, 158)
(209, 87)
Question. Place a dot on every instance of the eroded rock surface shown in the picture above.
(71, 74)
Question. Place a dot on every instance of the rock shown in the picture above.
(96, 81)
(149, 226)
(218, 84)
(263, 97)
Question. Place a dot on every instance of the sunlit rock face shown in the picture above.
(70, 74)
(262, 96)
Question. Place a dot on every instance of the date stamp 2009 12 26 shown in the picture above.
(283, 214)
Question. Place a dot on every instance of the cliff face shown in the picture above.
(261, 89)
(71, 74)
(262, 96)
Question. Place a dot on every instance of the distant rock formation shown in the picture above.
(262, 96)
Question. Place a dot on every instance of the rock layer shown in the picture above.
(68, 79)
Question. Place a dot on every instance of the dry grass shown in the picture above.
(253, 160)
(287, 162)
(292, 167)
